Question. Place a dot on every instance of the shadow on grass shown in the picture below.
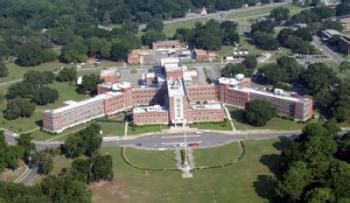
(39, 123)
(238, 115)
(265, 185)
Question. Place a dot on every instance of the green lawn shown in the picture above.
(170, 29)
(274, 124)
(217, 156)
(151, 159)
(243, 18)
(112, 128)
(60, 162)
(249, 180)
(21, 125)
(16, 72)
(225, 125)
(136, 130)
(66, 92)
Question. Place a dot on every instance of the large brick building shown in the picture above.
(174, 97)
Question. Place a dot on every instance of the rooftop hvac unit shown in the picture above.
(239, 77)
(278, 91)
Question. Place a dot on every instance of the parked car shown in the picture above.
(193, 144)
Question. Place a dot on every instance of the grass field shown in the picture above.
(112, 128)
(274, 124)
(216, 156)
(225, 125)
(243, 18)
(249, 180)
(136, 130)
(16, 72)
(151, 159)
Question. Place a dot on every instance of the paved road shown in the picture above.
(205, 140)
(30, 176)
(168, 141)
(329, 52)
(222, 14)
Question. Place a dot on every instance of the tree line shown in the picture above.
(298, 41)
(34, 90)
(32, 32)
(70, 185)
(315, 168)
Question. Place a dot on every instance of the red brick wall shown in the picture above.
(151, 118)
(203, 93)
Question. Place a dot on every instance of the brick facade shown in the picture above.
(175, 102)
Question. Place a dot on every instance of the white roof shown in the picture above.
(206, 106)
(228, 81)
(150, 75)
(190, 73)
(171, 60)
(175, 88)
(73, 104)
(144, 109)
(268, 94)
(106, 72)
(119, 86)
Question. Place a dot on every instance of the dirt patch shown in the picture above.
(108, 191)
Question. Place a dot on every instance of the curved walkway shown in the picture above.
(130, 163)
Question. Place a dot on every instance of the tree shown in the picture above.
(304, 34)
(339, 179)
(343, 152)
(73, 146)
(3, 69)
(296, 178)
(265, 26)
(231, 70)
(344, 66)
(250, 62)
(67, 75)
(265, 41)
(65, 189)
(120, 14)
(258, 113)
(89, 84)
(21, 89)
(341, 108)
(44, 161)
(102, 169)
(152, 36)
(320, 195)
(32, 54)
(155, 25)
(291, 66)
(272, 74)
(18, 107)
(120, 51)
(318, 78)
(86, 141)
(81, 169)
(24, 141)
(130, 26)
(74, 51)
(46, 95)
(39, 78)
(323, 12)
(98, 167)
(279, 14)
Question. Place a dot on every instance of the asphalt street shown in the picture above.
(203, 140)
